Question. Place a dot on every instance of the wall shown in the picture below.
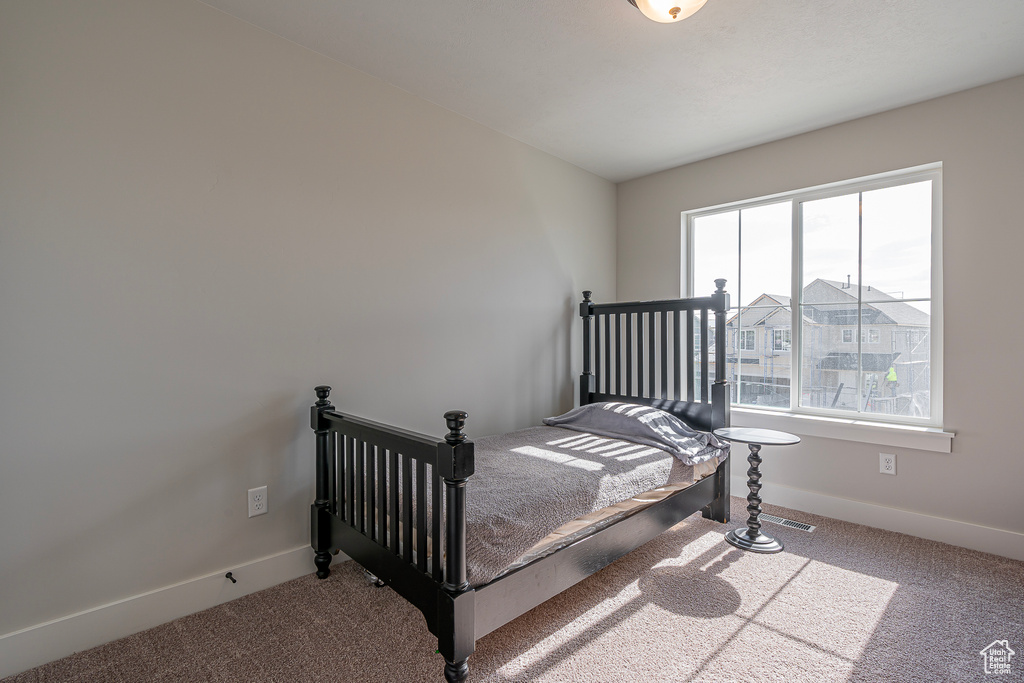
(978, 136)
(199, 222)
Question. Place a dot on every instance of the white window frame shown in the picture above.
(919, 426)
(786, 344)
(742, 335)
(866, 335)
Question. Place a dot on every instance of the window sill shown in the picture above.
(862, 431)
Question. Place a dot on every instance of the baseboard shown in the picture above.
(35, 645)
(964, 534)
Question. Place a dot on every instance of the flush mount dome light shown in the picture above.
(667, 11)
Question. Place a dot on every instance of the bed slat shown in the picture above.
(393, 500)
(382, 497)
(629, 354)
(371, 491)
(421, 517)
(705, 381)
(607, 353)
(350, 462)
(639, 354)
(360, 479)
(677, 369)
(618, 353)
(664, 355)
(406, 508)
(690, 379)
(651, 368)
(435, 524)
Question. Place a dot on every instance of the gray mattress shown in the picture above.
(530, 482)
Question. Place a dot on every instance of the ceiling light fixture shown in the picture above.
(667, 11)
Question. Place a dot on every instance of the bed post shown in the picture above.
(320, 522)
(587, 384)
(456, 610)
(720, 400)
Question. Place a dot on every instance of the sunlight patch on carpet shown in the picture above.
(574, 634)
(844, 623)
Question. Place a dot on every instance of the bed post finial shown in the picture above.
(720, 299)
(323, 393)
(586, 306)
(456, 420)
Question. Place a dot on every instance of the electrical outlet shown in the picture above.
(887, 463)
(258, 501)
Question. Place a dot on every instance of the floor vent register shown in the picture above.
(787, 522)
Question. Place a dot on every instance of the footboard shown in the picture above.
(379, 494)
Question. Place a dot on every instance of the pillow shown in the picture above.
(643, 425)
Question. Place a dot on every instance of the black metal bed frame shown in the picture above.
(371, 478)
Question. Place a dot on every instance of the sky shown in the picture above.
(895, 237)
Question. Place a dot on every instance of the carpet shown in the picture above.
(843, 603)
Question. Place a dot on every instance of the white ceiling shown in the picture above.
(597, 84)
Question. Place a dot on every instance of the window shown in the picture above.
(745, 340)
(781, 340)
(831, 272)
(868, 336)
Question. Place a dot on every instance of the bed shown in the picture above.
(404, 506)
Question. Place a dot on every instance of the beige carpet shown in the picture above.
(844, 603)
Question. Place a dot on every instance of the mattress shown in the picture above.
(581, 527)
(540, 489)
(528, 484)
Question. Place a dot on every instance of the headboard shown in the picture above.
(656, 353)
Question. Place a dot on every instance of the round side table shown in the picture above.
(751, 538)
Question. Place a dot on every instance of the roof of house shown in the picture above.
(762, 307)
(836, 292)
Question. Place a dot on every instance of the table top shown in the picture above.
(763, 437)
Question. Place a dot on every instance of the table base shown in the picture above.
(761, 543)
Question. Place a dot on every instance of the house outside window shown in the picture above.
(745, 340)
(866, 336)
(822, 276)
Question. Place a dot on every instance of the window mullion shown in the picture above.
(796, 311)
(935, 353)
(861, 405)
(739, 307)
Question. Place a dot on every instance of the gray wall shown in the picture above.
(979, 137)
(199, 222)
